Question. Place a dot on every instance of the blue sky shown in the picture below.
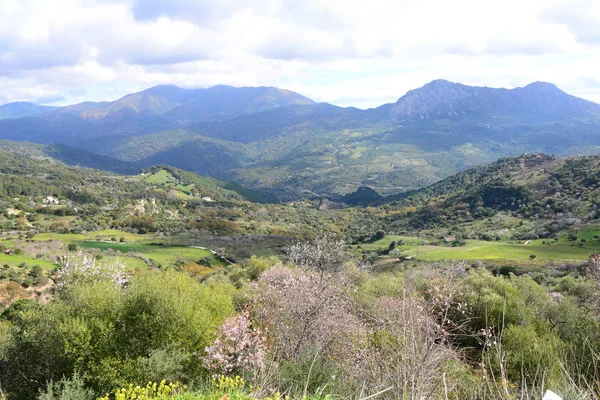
(346, 52)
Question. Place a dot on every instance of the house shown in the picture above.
(50, 200)
(208, 199)
(450, 239)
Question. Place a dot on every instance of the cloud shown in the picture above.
(197, 11)
(582, 18)
(346, 52)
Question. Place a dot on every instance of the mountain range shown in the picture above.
(23, 109)
(277, 140)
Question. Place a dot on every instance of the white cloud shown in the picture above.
(346, 52)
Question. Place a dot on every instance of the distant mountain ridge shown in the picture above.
(442, 98)
(179, 103)
(155, 109)
(23, 109)
(280, 141)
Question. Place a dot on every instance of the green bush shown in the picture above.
(112, 335)
(531, 356)
(67, 389)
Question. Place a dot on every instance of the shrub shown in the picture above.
(407, 350)
(84, 269)
(239, 347)
(10, 292)
(303, 313)
(115, 335)
(325, 254)
(67, 389)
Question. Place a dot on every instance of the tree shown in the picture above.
(392, 246)
(325, 254)
(592, 268)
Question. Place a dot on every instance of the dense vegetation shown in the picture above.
(108, 282)
(438, 331)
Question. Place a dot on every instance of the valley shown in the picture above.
(149, 256)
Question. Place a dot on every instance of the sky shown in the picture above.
(346, 52)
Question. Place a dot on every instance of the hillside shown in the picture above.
(527, 197)
(36, 174)
(40, 194)
(69, 156)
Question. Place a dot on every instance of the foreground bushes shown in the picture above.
(151, 330)
(436, 332)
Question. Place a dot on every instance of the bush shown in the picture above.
(67, 389)
(239, 347)
(325, 255)
(303, 312)
(115, 335)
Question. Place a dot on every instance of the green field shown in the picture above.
(483, 250)
(107, 234)
(160, 177)
(166, 180)
(15, 261)
(131, 263)
(165, 255)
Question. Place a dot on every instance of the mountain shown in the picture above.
(159, 108)
(223, 102)
(279, 141)
(442, 99)
(188, 105)
(23, 109)
(427, 135)
(80, 108)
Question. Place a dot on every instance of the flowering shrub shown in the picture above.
(227, 383)
(238, 347)
(325, 254)
(85, 268)
(163, 390)
(222, 387)
(407, 350)
(304, 313)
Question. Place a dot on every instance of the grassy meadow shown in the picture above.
(534, 251)
(16, 261)
(164, 255)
